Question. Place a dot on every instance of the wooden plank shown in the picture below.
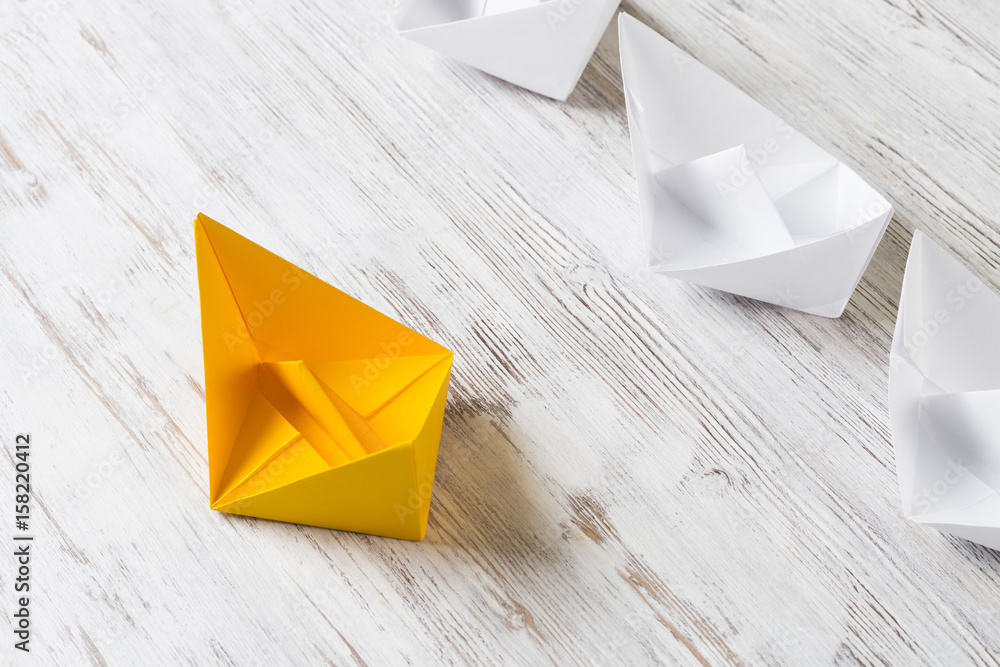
(633, 470)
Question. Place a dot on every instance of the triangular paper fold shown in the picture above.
(734, 198)
(543, 46)
(944, 396)
(705, 228)
(321, 410)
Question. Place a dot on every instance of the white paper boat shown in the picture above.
(944, 396)
(541, 46)
(734, 198)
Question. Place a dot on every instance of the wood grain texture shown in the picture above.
(632, 471)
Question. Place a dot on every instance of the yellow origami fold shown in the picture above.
(321, 410)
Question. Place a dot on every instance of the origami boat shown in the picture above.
(731, 196)
(541, 46)
(944, 396)
(321, 410)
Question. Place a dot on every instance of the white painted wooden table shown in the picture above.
(632, 470)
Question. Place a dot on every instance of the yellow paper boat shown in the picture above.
(321, 410)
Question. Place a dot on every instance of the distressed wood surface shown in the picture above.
(632, 470)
